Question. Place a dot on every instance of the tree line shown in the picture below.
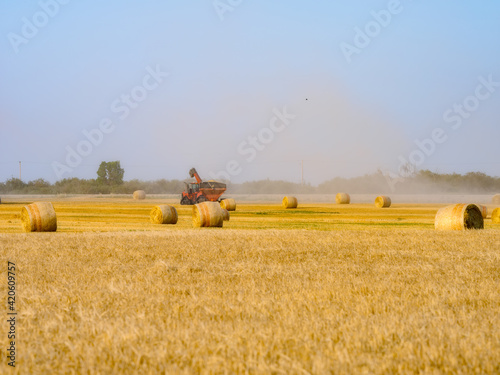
(110, 181)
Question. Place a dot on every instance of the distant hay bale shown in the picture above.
(228, 204)
(495, 216)
(459, 217)
(496, 199)
(139, 194)
(383, 201)
(342, 198)
(207, 214)
(225, 214)
(290, 202)
(483, 209)
(163, 214)
(39, 217)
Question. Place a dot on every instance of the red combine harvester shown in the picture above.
(202, 191)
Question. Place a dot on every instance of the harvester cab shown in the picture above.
(201, 191)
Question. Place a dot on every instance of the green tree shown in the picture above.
(110, 173)
(14, 185)
(102, 173)
(39, 186)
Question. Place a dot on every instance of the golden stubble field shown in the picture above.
(325, 289)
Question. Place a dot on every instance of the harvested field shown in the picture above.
(108, 214)
(319, 289)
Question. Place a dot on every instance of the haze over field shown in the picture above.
(248, 90)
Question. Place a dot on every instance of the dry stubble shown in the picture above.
(379, 301)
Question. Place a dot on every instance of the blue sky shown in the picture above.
(228, 74)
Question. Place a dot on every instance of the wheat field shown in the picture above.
(319, 290)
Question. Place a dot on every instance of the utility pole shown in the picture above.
(20, 171)
(302, 172)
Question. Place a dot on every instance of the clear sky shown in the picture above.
(248, 89)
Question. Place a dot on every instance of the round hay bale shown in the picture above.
(459, 217)
(225, 214)
(382, 201)
(207, 214)
(139, 194)
(39, 217)
(495, 216)
(483, 209)
(228, 204)
(496, 199)
(163, 214)
(342, 198)
(290, 202)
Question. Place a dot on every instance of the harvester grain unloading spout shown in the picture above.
(193, 173)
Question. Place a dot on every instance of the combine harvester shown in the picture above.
(202, 191)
